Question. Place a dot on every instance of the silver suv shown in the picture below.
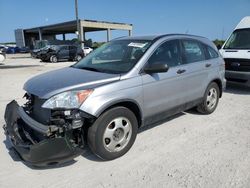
(103, 99)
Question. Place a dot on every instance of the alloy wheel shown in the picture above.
(212, 98)
(117, 134)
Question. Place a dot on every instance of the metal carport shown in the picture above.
(26, 37)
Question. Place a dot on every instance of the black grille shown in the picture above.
(42, 115)
(237, 64)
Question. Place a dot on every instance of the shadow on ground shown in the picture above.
(19, 57)
(145, 128)
(17, 66)
(236, 88)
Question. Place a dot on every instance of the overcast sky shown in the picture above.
(210, 18)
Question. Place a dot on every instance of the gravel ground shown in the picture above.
(189, 150)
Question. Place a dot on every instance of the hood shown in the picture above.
(51, 83)
(235, 54)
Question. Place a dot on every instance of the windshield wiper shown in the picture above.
(89, 68)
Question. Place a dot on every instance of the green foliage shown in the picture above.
(88, 42)
(218, 42)
(8, 43)
(75, 40)
(97, 44)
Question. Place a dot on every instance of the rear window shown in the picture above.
(212, 53)
(64, 48)
(193, 51)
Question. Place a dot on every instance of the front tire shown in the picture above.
(53, 59)
(78, 58)
(113, 133)
(210, 100)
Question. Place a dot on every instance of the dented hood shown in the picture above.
(69, 78)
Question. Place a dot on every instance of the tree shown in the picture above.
(88, 43)
(218, 43)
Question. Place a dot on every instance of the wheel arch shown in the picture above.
(130, 104)
(219, 83)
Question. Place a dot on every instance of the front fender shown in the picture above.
(114, 93)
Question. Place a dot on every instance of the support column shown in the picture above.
(129, 32)
(108, 34)
(40, 34)
(81, 34)
(64, 36)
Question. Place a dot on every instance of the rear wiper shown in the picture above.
(90, 68)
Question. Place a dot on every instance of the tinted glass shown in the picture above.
(212, 53)
(168, 53)
(64, 48)
(72, 47)
(240, 39)
(192, 51)
(115, 57)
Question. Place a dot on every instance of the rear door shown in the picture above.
(63, 53)
(72, 52)
(196, 75)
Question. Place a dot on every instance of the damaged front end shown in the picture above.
(57, 138)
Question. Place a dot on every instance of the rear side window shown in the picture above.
(64, 48)
(192, 51)
(72, 47)
(212, 53)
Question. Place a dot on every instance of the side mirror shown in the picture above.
(156, 68)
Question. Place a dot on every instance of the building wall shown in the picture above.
(19, 35)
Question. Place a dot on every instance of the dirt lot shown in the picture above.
(190, 150)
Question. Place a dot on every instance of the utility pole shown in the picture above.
(77, 21)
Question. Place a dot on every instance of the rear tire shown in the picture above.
(113, 133)
(78, 58)
(53, 59)
(210, 100)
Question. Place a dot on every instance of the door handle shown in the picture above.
(180, 71)
(208, 65)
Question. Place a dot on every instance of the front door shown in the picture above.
(63, 52)
(163, 92)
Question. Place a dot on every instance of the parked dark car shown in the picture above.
(24, 50)
(12, 50)
(55, 53)
(40, 45)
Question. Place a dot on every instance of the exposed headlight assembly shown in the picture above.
(67, 100)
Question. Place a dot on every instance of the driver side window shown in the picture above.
(167, 53)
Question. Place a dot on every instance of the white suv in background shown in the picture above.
(87, 50)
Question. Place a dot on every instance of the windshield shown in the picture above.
(115, 57)
(40, 44)
(240, 39)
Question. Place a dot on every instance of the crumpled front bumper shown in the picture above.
(45, 152)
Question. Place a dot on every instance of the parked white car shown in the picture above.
(87, 50)
(2, 53)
